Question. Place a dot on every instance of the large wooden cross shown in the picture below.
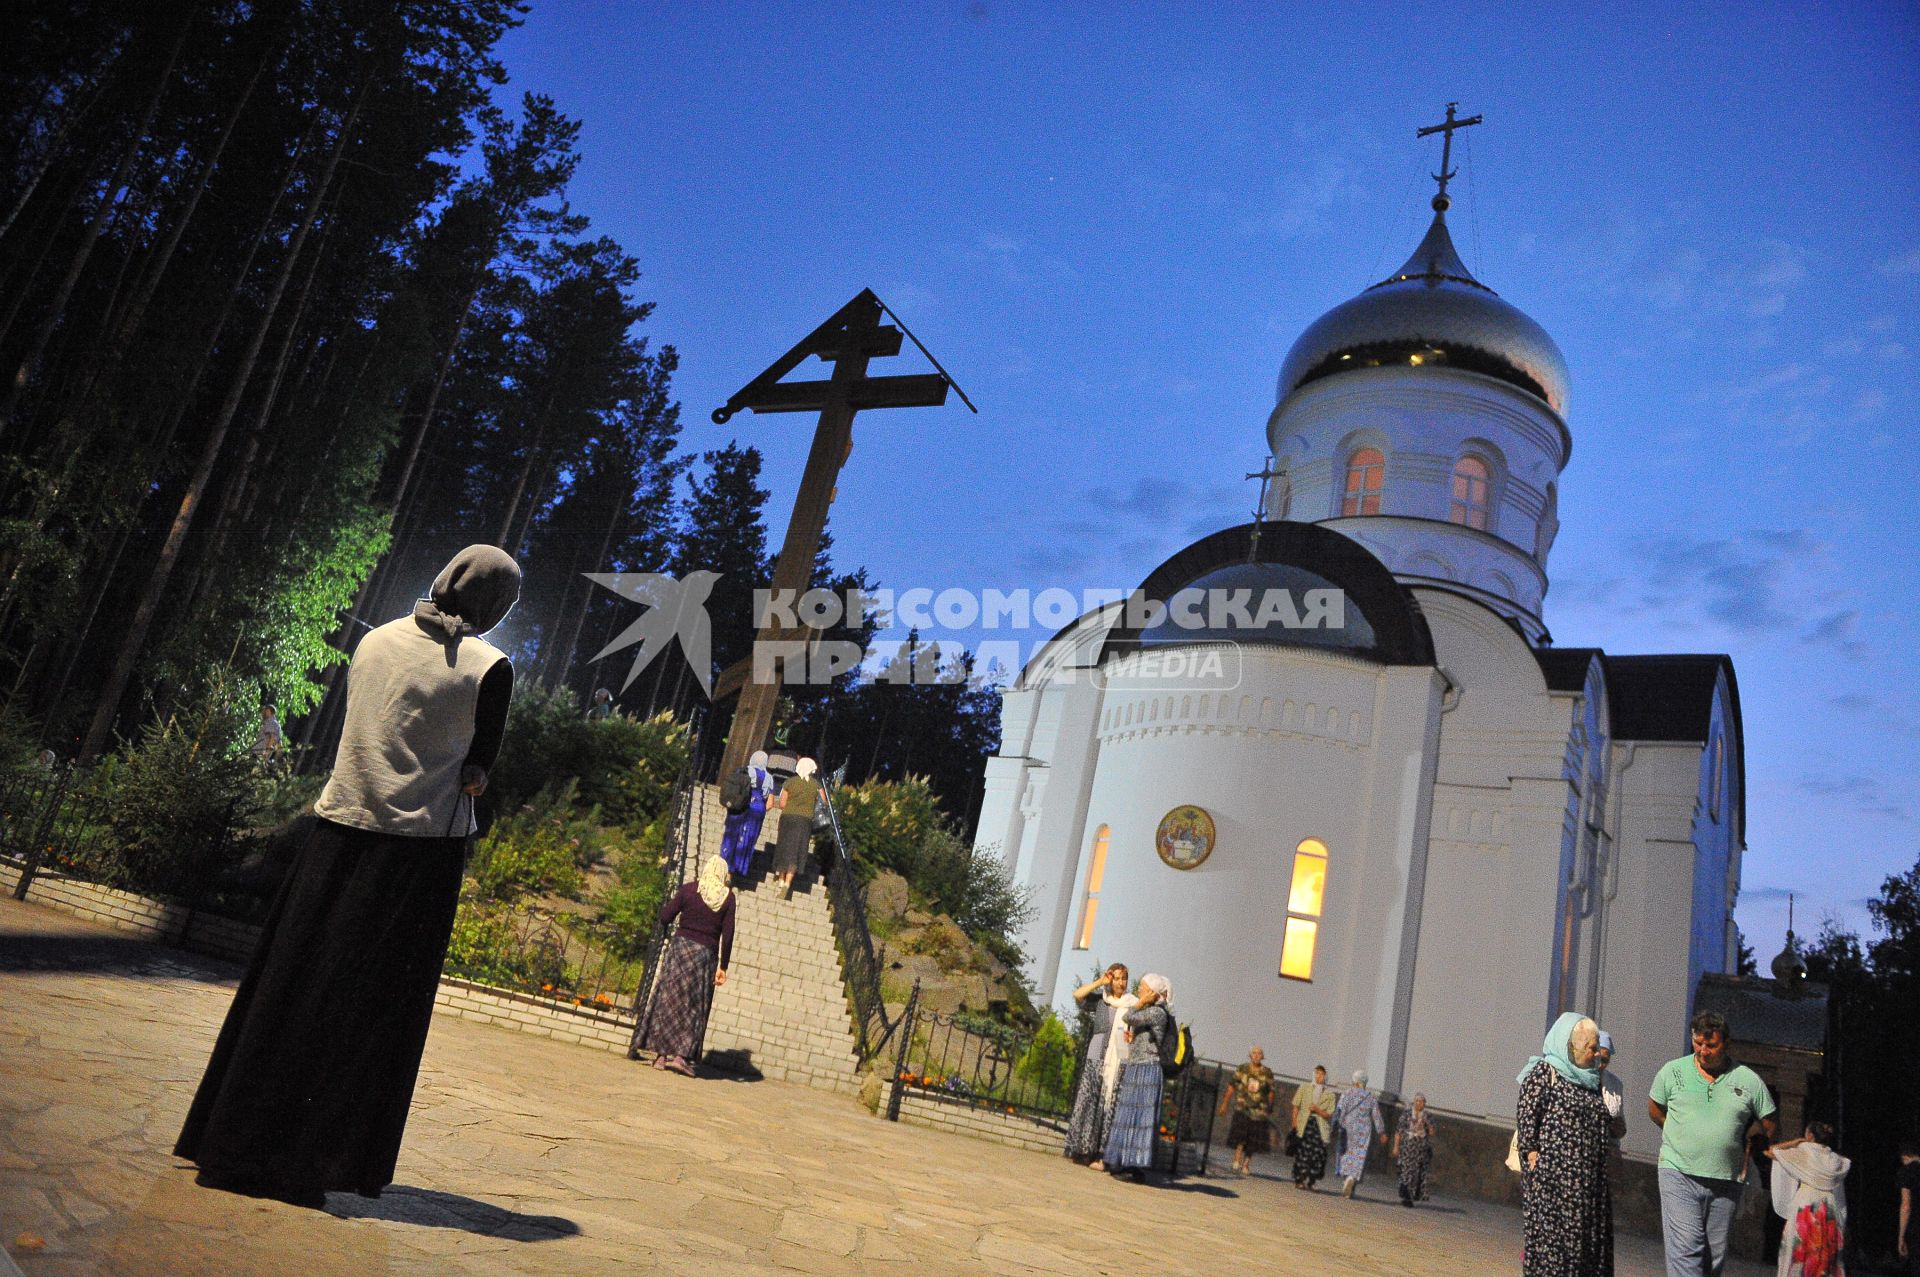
(848, 340)
(1441, 202)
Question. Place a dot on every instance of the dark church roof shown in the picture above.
(1756, 1014)
(1665, 698)
(1383, 621)
(1565, 667)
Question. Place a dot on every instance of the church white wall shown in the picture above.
(1646, 987)
(1487, 943)
(1309, 744)
(1424, 420)
(1036, 786)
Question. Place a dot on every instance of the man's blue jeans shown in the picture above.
(1697, 1215)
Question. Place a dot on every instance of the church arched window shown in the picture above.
(1716, 775)
(1096, 871)
(1472, 483)
(1366, 479)
(1306, 895)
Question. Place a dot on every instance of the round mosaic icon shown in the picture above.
(1185, 837)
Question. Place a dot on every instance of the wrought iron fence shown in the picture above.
(59, 820)
(981, 1063)
(847, 904)
(967, 1059)
(555, 956)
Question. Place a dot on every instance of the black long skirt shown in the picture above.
(314, 1069)
(794, 841)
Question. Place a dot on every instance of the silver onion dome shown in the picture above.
(1430, 311)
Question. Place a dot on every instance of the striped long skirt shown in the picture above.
(682, 1000)
(1136, 1118)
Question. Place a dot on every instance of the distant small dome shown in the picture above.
(1430, 311)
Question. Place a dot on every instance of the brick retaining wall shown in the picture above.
(983, 1123)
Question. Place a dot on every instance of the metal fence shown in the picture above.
(968, 1059)
(60, 820)
(847, 903)
(550, 955)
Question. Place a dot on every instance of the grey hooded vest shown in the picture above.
(411, 697)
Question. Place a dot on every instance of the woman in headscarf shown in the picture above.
(1250, 1094)
(308, 1087)
(796, 802)
(743, 827)
(1810, 1193)
(1563, 1137)
(1358, 1117)
(1136, 1110)
(1312, 1128)
(693, 965)
(1107, 1000)
(1413, 1150)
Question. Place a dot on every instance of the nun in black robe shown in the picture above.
(310, 1081)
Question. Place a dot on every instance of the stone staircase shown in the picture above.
(783, 1010)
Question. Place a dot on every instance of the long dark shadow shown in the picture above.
(122, 955)
(430, 1208)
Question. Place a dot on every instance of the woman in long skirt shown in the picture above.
(1358, 1117)
(311, 1077)
(743, 827)
(693, 966)
(1312, 1129)
(1413, 1150)
(1809, 1187)
(795, 802)
(1107, 999)
(1136, 1111)
(1564, 1137)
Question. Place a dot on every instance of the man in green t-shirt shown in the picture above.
(1704, 1104)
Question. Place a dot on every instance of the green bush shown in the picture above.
(166, 798)
(1047, 1063)
(624, 766)
(540, 849)
(491, 945)
(628, 912)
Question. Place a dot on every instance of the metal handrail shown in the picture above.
(847, 905)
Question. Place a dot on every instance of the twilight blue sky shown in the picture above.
(1111, 221)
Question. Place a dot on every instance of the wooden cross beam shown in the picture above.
(848, 340)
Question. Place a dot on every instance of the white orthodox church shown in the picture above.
(1402, 841)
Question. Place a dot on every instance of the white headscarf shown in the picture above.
(805, 767)
(1116, 1051)
(1160, 985)
(1359, 1077)
(715, 882)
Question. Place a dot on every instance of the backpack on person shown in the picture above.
(736, 791)
(1176, 1048)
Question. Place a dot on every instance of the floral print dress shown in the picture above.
(1565, 1201)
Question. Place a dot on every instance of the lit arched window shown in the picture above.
(1096, 870)
(1470, 487)
(1366, 476)
(1305, 896)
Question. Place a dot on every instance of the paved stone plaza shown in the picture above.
(530, 1156)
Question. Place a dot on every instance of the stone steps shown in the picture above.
(783, 1011)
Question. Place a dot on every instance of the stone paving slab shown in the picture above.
(527, 1156)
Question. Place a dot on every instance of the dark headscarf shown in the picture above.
(472, 594)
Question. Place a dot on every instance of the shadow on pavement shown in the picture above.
(128, 956)
(1190, 1186)
(430, 1208)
